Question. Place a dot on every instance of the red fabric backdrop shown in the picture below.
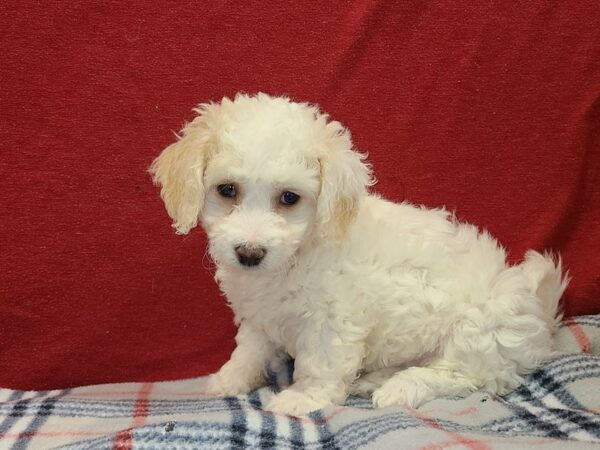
(485, 107)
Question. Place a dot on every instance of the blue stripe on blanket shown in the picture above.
(326, 438)
(238, 425)
(267, 434)
(266, 437)
(15, 410)
(196, 435)
(296, 433)
(558, 423)
(574, 365)
(539, 385)
(359, 434)
(43, 413)
(118, 408)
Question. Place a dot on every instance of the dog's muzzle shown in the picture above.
(250, 256)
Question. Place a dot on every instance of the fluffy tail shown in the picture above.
(547, 280)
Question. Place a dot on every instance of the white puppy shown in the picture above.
(398, 302)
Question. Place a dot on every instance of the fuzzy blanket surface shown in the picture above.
(558, 406)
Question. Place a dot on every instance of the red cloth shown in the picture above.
(488, 108)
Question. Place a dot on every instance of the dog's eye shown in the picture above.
(226, 190)
(289, 198)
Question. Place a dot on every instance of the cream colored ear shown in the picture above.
(179, 170)
(344, 181)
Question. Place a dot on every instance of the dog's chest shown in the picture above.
(274, 308)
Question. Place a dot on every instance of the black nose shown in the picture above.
(250, 256)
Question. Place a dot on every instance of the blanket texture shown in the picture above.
(558, 406)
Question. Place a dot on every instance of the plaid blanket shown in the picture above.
(557, 407)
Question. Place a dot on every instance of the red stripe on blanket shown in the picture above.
(124, 438)
(457, 439)
(580, 336)
(462, 412)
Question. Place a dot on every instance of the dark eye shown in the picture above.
(226, 190)
(289, 198)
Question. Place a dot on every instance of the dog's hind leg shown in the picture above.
(417, 385)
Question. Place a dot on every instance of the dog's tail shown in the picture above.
(548, 282)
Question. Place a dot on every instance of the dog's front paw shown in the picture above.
(401, 392)
(222, 385)
(294, 403)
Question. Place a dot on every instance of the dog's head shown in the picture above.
(265, 176)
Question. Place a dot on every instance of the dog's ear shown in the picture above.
(179, 170)
(344, 180)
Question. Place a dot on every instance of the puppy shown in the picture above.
(400, 303)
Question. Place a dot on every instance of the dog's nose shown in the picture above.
(250, 256)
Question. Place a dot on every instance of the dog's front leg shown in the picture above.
(324, 367)
(245, 369)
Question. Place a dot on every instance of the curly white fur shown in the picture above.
(397, 302)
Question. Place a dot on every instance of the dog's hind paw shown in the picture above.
(402, 392)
